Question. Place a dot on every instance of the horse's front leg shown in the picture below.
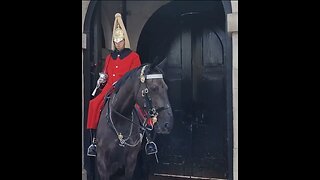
(103, 164)
(131, 161)
(102, 169)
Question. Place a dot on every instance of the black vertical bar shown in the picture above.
(228, 60)
(97, 45)
(124, 12)
(229, 100)
(186, 62)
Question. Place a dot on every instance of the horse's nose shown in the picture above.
(166, 124)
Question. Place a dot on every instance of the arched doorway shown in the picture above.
(191, 36)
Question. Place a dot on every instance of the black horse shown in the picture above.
(120, 131)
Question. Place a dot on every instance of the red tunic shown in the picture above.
(116, 65)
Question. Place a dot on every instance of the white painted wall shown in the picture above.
(138, 14)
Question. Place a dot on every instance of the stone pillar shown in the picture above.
(85, 5)
(232, 20)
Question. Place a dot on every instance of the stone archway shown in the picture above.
(88, 7)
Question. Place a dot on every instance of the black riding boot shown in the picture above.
(92, 149)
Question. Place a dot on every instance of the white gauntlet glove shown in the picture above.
(102, 79)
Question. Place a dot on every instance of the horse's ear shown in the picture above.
(154, 62)
(158, 63)
(162, 64)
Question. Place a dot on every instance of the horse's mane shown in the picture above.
(149, 70)
(126, 76)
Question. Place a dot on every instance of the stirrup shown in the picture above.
(92, 150)
(151, 148)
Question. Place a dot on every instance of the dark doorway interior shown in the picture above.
(191, 36)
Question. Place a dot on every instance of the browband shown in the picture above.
(154, 76)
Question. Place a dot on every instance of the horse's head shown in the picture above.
(153, 97)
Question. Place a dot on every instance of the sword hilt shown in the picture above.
(95, 90)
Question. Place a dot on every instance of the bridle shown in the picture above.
(152, 112)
